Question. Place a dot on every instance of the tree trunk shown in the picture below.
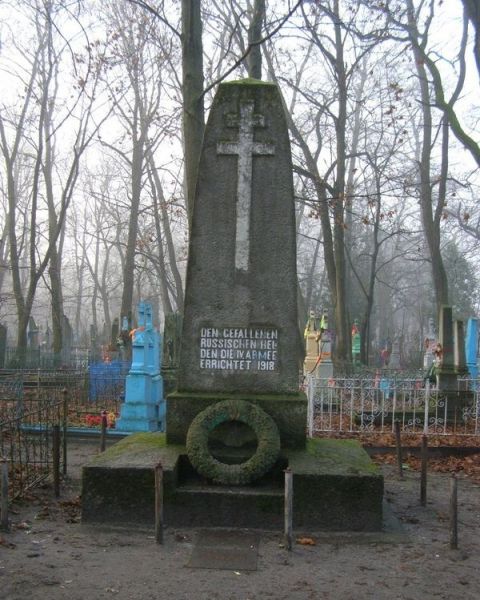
(430, 217)
(254, 58)
(193, 107)
(342, 350)
(473, 11)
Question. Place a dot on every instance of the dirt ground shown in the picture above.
(49, 555)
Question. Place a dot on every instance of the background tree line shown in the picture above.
(101, 123)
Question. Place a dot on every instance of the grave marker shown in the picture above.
(144, 406)
(240, 330)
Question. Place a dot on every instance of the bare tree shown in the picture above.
(27, 136)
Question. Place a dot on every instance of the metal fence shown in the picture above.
(374, 404)
(32, 402)
(40, 358)
(85, 396)
(26, 426)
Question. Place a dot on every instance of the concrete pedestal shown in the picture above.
(336, 487)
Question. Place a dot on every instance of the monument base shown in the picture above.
(336, 487)
(289, 411)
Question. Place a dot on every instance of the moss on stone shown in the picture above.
(264, 427)
(138, 448)
(249, 81)
(338, 457)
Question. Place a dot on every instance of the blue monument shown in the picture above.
(144, 406)
(471, 347)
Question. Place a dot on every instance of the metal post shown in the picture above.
(4, 500)
(399, 448)
(427, 403)
(311, 404)
(56, 459)
(159, 504)
(423, 476)
(65, 421)
(103, 434)
(288, 508)
(453, 513)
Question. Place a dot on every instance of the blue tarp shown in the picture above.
(107, 379)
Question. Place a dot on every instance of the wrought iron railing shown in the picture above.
(26, 426)
(373, 405)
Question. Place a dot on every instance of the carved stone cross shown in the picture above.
(245, 148)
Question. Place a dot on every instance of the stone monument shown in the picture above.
(67, 341)
(33, 333)
(429, 344)
(451, 365)
(3, 345)
(144, 406)
(325, 365)
(172, 334)
(238, 419)
(471, 347)
(394, 362)
(356, 343)
(240, 332)
(446, 372)
(311, 336)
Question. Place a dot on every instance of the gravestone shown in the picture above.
(238, 418)
(430, 343)
(3, 345)
(446, 372)
(356, 343)
(311, 336)
(394, 362)
(240, 332)
(67, 341)
(325, 365)
(33, 332)
(47, 339)
(471, 347)
(459, 348)
(144, 406)
(451, 364)
(114, 333)
(94, 350)
(172, 333)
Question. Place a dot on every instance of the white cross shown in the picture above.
(245, 148)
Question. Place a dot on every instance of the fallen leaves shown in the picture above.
(467, 465)
(6, 544)
(306, 541)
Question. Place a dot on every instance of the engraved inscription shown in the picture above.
(239, 348)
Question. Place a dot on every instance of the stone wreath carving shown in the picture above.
(268, 438)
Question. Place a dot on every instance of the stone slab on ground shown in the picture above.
(227, 549)
(336, 487)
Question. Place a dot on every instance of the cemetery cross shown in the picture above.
(245, 148)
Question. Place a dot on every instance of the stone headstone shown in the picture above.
(430, 343)
(172, 334)
(32, 334)
(3, 345)
(240, 322)
(144, 406)
(311, 336)
(459, 348)
(67, 340)
(471, 347)
(240, 329)
(356, 343)
(446, 374)
(115, 332)
(394, 362)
